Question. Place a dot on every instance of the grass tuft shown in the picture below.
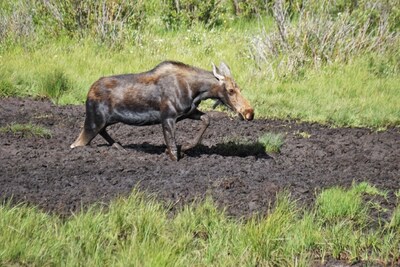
(55, 84)
(6, 87)
(272, 142)
(26, 130)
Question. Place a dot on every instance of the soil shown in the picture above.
(241, 178)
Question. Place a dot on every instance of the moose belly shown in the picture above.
(133, 117)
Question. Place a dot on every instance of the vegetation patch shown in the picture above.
(137, 230)
(26, 130)
(322, 35)
(271, 142)
(6, 87)
(55, 84)
(332, 63)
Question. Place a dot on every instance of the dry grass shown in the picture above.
(317, 38)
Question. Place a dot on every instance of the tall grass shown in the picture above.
(138, 231)
(360, 93)
(80, 64)
(324, 63)
(318, 37)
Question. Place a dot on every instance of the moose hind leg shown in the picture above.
(84, 137)
(198, 115)
(94, 123)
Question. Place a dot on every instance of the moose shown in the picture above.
(169, 93)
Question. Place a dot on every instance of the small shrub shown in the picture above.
(323, 35)
(189, 12)
(271, 142)
(108, 21)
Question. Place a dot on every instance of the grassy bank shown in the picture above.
(138, 231)
(334, 63)
(359, 93)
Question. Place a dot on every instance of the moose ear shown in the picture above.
(225, 70)
(216, 74)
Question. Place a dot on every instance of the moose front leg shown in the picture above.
(197, 115)
(168, 126)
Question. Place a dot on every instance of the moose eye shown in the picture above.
(231, 91)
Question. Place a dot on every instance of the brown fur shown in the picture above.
(110, 83)
(95, 92)
(148, 79)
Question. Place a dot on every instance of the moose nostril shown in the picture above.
(249, 115)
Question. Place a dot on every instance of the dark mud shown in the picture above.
(242, 179)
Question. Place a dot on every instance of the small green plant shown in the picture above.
(6, 87)
(305, 135)
(55, 84)
(26, 130)
(272, 142)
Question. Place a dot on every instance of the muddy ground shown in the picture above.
(241, 178)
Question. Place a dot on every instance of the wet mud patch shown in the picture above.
(241, 178)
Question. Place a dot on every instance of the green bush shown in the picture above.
(107, 21)
(324, 34)
(251, 8)
(185, 13)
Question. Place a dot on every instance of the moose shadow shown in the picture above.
(228, 149)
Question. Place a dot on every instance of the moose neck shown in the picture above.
(205, 86)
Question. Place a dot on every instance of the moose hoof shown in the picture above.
(187, 147)
(172, 154)
(119, 147)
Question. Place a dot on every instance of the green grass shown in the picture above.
(54, 84)
(362, 92)
(342, 95)
(138, 231)
(272, 142)
(26, 130)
